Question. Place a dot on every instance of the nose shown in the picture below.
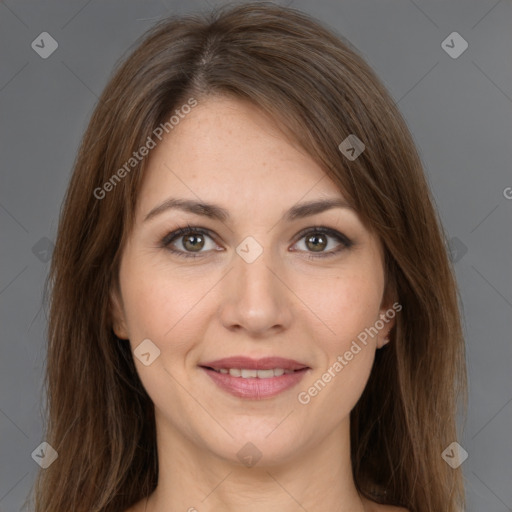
(255, 297)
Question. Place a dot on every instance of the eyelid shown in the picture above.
(334, 233)
(346, 242)
(182, 231)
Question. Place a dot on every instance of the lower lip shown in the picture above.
(255, 388)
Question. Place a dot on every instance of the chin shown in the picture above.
(260, 445)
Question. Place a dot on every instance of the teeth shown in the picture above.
(262, 374)
(251, 374)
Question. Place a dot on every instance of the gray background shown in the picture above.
(459, 112)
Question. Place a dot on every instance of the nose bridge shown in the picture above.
(255, 297)
(255, 276)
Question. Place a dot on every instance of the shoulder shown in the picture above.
(387, 508)
(373, 506)
(137, 507)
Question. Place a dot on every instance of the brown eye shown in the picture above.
(193, 242)
(317, 239)
(316, 243)
(188, 242)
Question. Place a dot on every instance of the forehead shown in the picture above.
(227, 151)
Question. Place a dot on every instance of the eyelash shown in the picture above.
(340, 237)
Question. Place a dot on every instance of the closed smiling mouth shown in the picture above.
(246, 373)
(255, 378)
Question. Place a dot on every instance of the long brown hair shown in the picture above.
(100, 419)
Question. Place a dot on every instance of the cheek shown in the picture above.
(346, 303)
(162, 308)
(162, 305)
(357, 309)
(348, 353)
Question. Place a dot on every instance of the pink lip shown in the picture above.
(255, 388)
(265, 363)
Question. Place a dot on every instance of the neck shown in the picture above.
(194, 479)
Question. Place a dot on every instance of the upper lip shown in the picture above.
(265, 363)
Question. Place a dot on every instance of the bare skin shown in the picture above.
(369, 506)
(220, 305)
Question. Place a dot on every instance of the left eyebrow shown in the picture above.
(217, 212)
(302, 210)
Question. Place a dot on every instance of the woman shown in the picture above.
(252, 306)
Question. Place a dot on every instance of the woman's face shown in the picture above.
(253, 279)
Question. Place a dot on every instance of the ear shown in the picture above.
(117, 315)
(390, 307)
(386, 321)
